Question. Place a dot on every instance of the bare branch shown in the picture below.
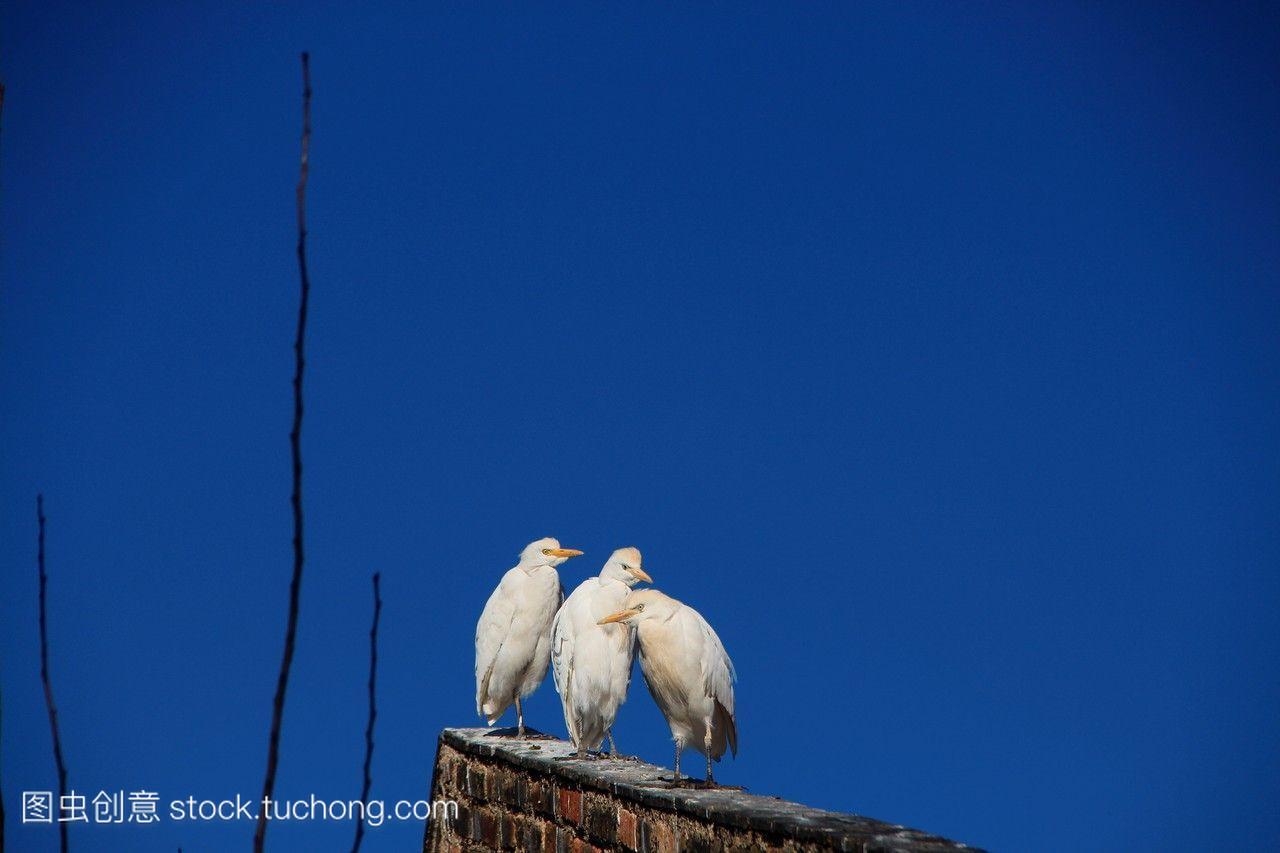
(1, 703)
(44, 671)
(1, 787)
(373, 711)
(295, 445)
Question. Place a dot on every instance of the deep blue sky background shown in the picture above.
(931, 352)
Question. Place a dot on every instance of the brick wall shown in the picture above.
(534, 795)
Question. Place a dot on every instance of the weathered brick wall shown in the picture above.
(534, 795)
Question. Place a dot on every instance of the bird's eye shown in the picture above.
(546, 551)
(640, 607)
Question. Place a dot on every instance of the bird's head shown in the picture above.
(546, 552)
(641, 605)
(624, 566)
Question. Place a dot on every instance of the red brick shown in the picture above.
(509, 833)
(542, 797)
(460, 825)
(661, 838)
(489, 829)
(475, 782)
(515, 790)
(570, 805)
(493, 784)
(627, 829)
(692, 841)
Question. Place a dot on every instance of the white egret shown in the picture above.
(592, 662)
(513, 636)
(688, 672)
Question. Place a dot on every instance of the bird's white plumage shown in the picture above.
(687, 670)
(591, 663)
(513, 635)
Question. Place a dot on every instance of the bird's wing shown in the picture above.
(632, 642)
(491, 633)
(624, 648)
(563, 646)
(718, 676)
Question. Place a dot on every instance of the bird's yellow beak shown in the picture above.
(564, 552)
(620, 616)
(641, 574)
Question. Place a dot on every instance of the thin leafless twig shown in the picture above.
(373, 711)
(44, 671)
(1, 787)
(1, 704)
(295, 445)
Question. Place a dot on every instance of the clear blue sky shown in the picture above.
(931, 352)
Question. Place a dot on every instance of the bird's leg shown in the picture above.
(613, 747)
(675, 780)
(707, 743)
(519, 720)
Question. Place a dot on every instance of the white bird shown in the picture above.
(688, 672)
(592, 662)
(513, 636)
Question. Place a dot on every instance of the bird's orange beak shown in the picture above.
(620, 616)
(641, 574)
(564, 552)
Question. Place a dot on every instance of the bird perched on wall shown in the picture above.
(513, 636)
(688, 672)
(591, 662)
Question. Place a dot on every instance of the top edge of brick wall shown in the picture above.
(649, 785)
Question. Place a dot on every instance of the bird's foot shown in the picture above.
(516, 733)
